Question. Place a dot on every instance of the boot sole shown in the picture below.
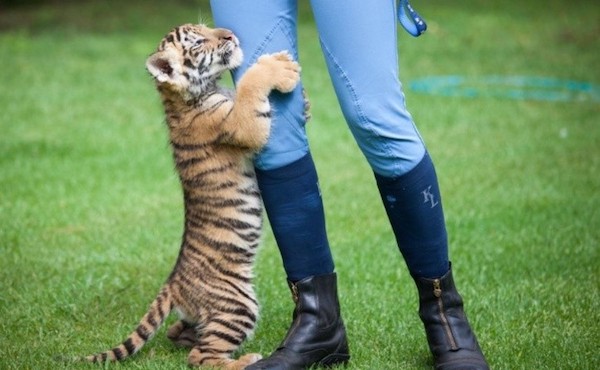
(335, 359)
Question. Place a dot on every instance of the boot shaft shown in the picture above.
(317, 296)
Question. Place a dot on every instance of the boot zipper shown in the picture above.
(294, 289)
(296, 322)
(437, 292)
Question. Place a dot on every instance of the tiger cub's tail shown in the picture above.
(148, 326)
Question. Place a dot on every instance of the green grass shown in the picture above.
(91, 214)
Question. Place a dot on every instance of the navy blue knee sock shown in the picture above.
(294, 206)
(414, 208)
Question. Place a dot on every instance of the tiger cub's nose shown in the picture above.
(224, 34)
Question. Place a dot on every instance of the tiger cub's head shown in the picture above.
(191, 58)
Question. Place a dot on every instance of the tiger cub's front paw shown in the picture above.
(284, 72)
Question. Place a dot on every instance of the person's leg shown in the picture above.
(358, 39)
(289, 186)
(285, 170)
(359, 42)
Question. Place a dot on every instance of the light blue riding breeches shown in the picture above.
(358, 40)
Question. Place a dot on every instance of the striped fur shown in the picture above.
(213, 133)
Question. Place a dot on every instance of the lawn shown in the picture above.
(91, 208)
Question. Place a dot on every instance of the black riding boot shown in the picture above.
(317, 335)
(451, 340)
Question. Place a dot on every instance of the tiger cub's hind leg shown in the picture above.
(220, 361)
(244, 361)
(183, 334)
(215, 345)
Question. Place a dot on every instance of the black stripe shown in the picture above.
(230, 325)
(252, 211)
(142, 332)
(187, 280)
(224, 336)
(238, 260)
(250, 191)
(164, 294)
(212, 108)
(201, 41)
(223, 136)
(159, 302)
(129, 346)
(152, 321)
(118, 353)
(219, 202)
(189, 147)
(204, 359)
(240, 312)
(199, 182)
(161, 312)
(227, 114)
(194, 182)
(229, 224)
(238, 224)
(245, 324)
(250, 175)
(207, 347)
(223, 246)
(218, 104)
(201, 64)
(198, 114)
(214, 351)
(248, 237)
(200, 221)
(184, 164)
(188, 63)
(229, 302)
(243, 293)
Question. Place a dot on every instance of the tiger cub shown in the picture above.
(213, 133)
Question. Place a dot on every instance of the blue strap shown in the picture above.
(412, 22)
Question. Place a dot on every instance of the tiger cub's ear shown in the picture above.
(164, 66)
